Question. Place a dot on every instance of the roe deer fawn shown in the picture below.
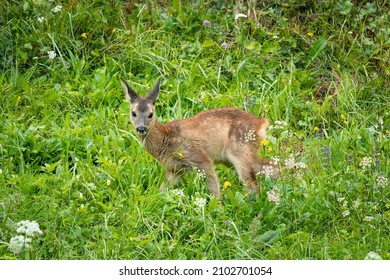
(227, 135)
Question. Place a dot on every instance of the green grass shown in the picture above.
(70, 160)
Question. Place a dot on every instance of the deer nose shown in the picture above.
(141, 130)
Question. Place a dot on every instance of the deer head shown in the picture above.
(142, 114)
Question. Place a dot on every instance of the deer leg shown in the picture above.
(205, 168)
(213, 183)
(248, 178)
(246, 173)
(172, 177)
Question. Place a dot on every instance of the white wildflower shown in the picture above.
(200, 202)
(372, 256)
(40, 19)
(57, 9)
(382, 181)
(28, 228)
(275, 160)
(17, 243)
(340, 199)
(250, 136)
(237, 16)
(51, 54)
(281, 124)
(273, 196)
(356, 204)
(178, 192)
(368, 218)
(290, 162)
(345, 213)
(289, 134)
(300, 165)
(267, 170)
(201, 174)
(278, 125)
(366, 162)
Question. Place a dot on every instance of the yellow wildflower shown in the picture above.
(310, 34)
(345, 122)
(180, 155)
(226, 185)
(84, 35)
(269, 149)
(342, 117)
(316, 129)
(113, 30)
(264, 143)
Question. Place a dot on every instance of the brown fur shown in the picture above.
(227, 135)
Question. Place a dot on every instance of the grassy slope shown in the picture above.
(70, 160)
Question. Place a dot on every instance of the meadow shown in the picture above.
(75, 183)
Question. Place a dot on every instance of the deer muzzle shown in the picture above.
(141, 130)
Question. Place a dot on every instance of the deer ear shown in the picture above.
(131, 95)
(152, 96)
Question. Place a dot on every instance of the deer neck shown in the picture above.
(155, 140)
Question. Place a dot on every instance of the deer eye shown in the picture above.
(150, 115)
(133, 114)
